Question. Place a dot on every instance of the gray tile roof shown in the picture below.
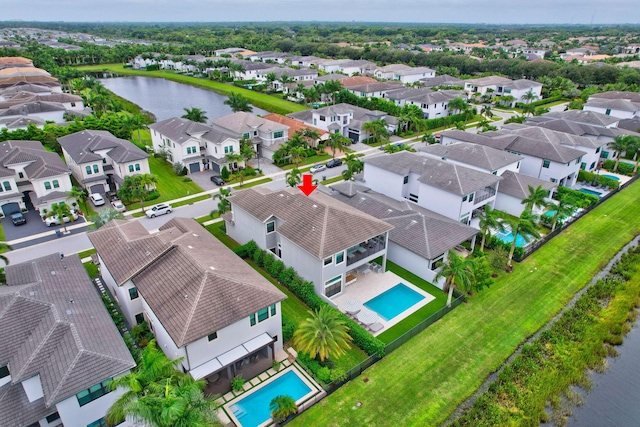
(16, 410)
(377, 87)
(42, 163)
(544, 143)
(32, 108)
(55, 325)
(318, 224)
(443, 80)
(452, 178)
(614, 94)
(424, 95)
(613, 104)
(82, 147)
(180, 130)
(419, 230)
(630, 124)
(193, 283)
(583, 116)
(517, 184)
(481, 156)
(359, 115)
(242, 122)
(577, 129)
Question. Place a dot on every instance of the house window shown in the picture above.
(554, 180)
(272, 307)
(608, 112)
(271, 227)
(593, 165)
(212, 336)
(93, 393)
(96, 169)
(130, 168)
(465, 219)
(333, 286)
(7, 185)
(4, 371)
(21, 175)
(133, 293)
(98, 423)
(246, 135)
(597, 151)
(471, 197)
(546, 163)
(51, 418)
(139, 318)
(604, 154)
(263, 315)
(578, 160)
(583, 165)
(405, 180)
(495, 172)
(188, 151)
(137, 166)
(278, 134)
(47, 185)
(339, 258)
(252, 319)
(413, 197)
(88, 169)
(464, 199)
(327, 261)
(436, 263)
(55, 183)
(323, 119)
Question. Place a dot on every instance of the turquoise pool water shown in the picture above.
(253, 409)
(507, 237)
(593, 193)
(611, 177)
(394, 301)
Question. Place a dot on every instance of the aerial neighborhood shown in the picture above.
(402, 203)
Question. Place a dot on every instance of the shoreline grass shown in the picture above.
(260, 100)
(424, 381)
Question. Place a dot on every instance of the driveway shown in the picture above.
(35, 225)
(203, 179)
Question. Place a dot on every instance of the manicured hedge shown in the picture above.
(304, 290)
(584, 176)
(623, 168)
(580, 199)
(494, 241)
(540, 102)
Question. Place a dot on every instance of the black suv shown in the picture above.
(333, 163)
(217, 180)
(18, 218)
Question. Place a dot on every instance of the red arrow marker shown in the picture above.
(307, 186)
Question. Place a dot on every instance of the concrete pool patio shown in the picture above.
(369, 285)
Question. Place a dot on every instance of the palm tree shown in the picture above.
(458, 271)
(377, 129)
(237, 102)
(4, 248)
(297, 154)
(293, 177)
(323, 334)
(103, 217)
(529, 96)
(490, 219)
(524, 226)
(486, 111)
(337, 142)
(195, 115)
(80, 195)
(563, 209)
(223, 205)
(62, 210)
(459, 105)
(621, 144)
(282, 407)
(536, 198)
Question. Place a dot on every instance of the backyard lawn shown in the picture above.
(169, 185)
(424, 381)
(260, 100)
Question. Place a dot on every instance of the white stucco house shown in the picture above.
(201, 301)
(434, 104)
(502, 86)
(623, 105)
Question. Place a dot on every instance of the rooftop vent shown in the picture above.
(69, 311)
(190, 247)
(32, 293)
(147, 253)
(186, 296)
(53, 273)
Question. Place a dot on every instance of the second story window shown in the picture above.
(271, 227)
(96, 169)
(278, 134)
(6, 185)
(88, 169)
(93, 393)
(546, 164)
(55, 183)
(212, 336)
(133, 293)
(130, 168)
(47, 185)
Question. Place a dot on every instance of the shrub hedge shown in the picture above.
(584, 176)
(304, 290)
(582, 200)
(623, 167)
(288, 328)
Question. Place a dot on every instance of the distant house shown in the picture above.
(320, 237)
(514, 188)
(99, 161)
(203, 303)
(27, 169)
(623, 105)
(413, 75)
(374, 90)
(443, 80)
(434, 104)
(250, 70)
(387, 72)
(294, 126)
(44, 110)
(501, 86)
(60, 349)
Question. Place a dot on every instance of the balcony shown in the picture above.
(365, 249)
(484, 194)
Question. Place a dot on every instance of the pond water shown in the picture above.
(166, 99)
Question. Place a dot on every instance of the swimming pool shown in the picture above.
(593, 193)
(253, 409)
(615, 178)
(394, 301)
(507, 237)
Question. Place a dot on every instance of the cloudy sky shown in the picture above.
(459, 11)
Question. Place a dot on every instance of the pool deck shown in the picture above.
(372, 284)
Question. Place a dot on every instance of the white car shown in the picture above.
(54, 220)
(160, 209)
(96, 199)
(317, 168)
(118, 205)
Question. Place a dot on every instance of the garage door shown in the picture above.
(10, 208)
(215, 167)
(194, 167)
(96, 189)
(354, 136)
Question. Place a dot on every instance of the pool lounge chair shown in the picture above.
(376, 327)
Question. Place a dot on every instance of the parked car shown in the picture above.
(160, 209)
(18, 218)
(118, 205)
(54, 220)
(333, 163)
(217, 180)
(96, 199)
(317, 168)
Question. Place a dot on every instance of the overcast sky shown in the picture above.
(448, 11)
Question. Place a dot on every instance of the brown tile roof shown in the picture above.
(318, 224)
(15, 60)
(294, 125)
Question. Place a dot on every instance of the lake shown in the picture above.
(166, 99)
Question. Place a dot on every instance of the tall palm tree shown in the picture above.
(195, 115)
(237, 102)
(62, 210)
(80, 195)
(620, 144)
(458, 271)
(223, 205)
(536, 198)
(529, 96)
(525, 226)
(297, 154)
(337, 142)
(323, 334)
(490, 219)
(563, 209)
(293, 177)
(282, 407)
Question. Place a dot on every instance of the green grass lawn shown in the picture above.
(169, 185)
(145, 138)
(2, 236)
(309, 160)
(425, 380)
(87, 253)
(260, 100)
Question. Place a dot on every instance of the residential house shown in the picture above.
(434, 104)
(272, 57)
(44, 110)
(99, 161)
(294, 127)
(15, 61)
(60, 349)
(27, 87)
(374, 90)
(346, 81)
(446, 188)
(443, 80)
(68, 101)
(28, 171)
(413, 75)
(632, 125)
(346, 119)
(428, 47)
(263, 133)
(538, 52)
(250, 70)
(387, 72)
(195, 145)
(632, 49)
(623, 105)
(13, 123)
(514, 188)
(346, 66)
(321, 238)
(298, 76)
(232, 51)
(420, 240)
(202, 302)
(501, 86)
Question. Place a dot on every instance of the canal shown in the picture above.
(166, 99)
